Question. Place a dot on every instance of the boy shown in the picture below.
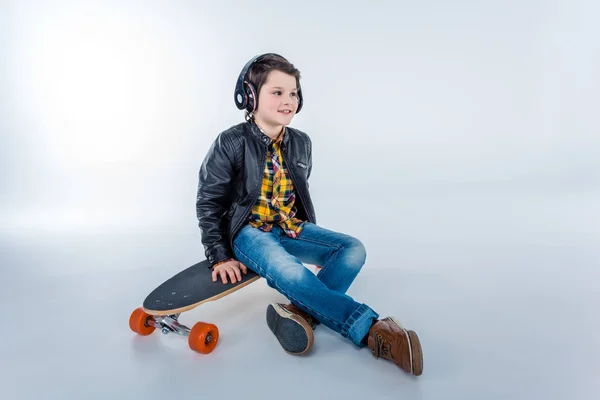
(255, 211)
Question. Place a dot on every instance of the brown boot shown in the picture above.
(390, 340)
(291, 326)
(311, 321)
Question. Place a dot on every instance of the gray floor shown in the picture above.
(501, 286)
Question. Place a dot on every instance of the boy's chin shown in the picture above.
(284, 120)
(279, 120)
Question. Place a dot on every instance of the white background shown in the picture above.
(458, 140)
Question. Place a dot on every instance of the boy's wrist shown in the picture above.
(222, 262)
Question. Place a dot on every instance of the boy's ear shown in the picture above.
(299, 100)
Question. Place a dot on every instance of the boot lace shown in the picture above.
(382, 347)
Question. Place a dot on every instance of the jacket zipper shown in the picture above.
(290, 168)
(249, 207)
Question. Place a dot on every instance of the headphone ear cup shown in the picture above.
(241, 98)
(252, 97)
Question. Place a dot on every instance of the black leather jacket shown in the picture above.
(230, 179)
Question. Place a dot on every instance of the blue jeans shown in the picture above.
(279, 259)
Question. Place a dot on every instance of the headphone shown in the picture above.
(245, 95)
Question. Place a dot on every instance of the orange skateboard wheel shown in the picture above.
(137, 322)
(203, 337)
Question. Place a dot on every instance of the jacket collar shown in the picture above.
(261, 136)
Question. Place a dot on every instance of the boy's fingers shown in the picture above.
(224, 276)
(238, 274)
(231, 274)
(244, 269)
(214, 275)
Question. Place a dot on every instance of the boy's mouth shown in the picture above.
(285, 111)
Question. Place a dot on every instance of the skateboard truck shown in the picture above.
(202, 337)
(168, 323)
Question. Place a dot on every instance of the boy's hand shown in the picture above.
(230, 268)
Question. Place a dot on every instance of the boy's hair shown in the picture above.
(257, 74)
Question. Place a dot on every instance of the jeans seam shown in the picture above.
(322, 242)
(331, 259)
(355, 316)
(256, 266)
(328, 244)
(360, 312)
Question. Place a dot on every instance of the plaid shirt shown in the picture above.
(275, 204)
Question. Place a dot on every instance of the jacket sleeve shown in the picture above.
(212, 200)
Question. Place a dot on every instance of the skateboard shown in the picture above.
(183, 292)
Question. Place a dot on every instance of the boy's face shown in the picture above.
(277, 100)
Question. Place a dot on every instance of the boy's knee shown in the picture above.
(295, 275)
(357, 251)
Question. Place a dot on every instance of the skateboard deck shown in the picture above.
(190, 288)
(183, 292)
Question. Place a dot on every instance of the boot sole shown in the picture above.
(293, 333)
(416, 353)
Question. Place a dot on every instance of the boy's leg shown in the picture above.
(264, 253)
(341, 256)
(279, 259)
